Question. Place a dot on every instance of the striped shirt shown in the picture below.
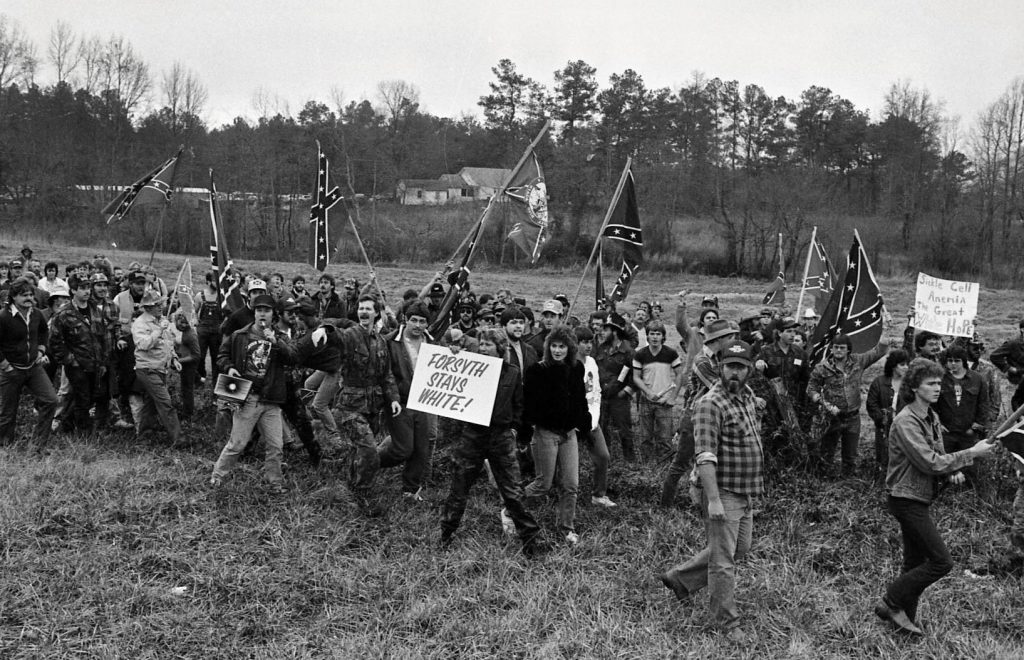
(727, 432)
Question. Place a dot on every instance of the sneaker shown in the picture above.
(413, 498)
(603, 501)
(508, 526)
(572, 538)
(123, 424)
(277, 488)
(216, 482)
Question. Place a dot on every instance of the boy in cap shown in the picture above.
(550, 317)
(256, 353)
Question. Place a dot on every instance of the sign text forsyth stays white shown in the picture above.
(460, 386)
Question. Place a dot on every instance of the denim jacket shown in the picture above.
(916, 456)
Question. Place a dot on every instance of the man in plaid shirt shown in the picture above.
(730, 466)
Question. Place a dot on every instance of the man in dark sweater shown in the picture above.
(23, 339)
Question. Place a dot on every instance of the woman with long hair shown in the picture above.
(556, 406)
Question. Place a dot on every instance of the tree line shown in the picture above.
(708, 154)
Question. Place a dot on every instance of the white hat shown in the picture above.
(809, 313)
(257, 284)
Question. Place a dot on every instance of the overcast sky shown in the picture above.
(965, 53)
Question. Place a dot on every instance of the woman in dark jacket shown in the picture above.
(917, 461)
(881, 400)
(556, 406)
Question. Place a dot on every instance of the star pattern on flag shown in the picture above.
(326, 198)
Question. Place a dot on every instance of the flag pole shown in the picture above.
(807, 269)
(504, 186)
(604, 223)
(782, 266)
(159, 232)
(163, 211)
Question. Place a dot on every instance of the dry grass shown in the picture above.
(115, 549)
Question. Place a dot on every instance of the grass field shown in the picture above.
(115, 549)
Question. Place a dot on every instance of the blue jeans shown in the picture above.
(326, 385)
(37, 382)
(267, 417)
(657, 424)
(925, 557)
(602, 457)
(715, 566)
(552, 449)
(156, 404)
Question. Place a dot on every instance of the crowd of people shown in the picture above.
(330, 369)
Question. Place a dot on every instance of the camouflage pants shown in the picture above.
(498, 448)
(363, 462)
(357, 414)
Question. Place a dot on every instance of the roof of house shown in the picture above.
(486, 177)
(453, 180)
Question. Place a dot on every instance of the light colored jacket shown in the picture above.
(154, 345)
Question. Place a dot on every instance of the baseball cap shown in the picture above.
(787, 323)
(552, 306)
(436, 289)
(257, 284)
(738, 352)
(263, 300)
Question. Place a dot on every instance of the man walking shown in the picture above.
(23, 338)
(413, 432)
(730, 465)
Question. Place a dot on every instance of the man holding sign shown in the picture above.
(413, 432)
(495, 443)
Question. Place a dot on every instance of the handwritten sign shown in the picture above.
(460, 386)
(945, 307)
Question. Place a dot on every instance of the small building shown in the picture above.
(469, 185)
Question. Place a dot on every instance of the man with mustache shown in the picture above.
(23, 341)
(368, 388)
(730, 466)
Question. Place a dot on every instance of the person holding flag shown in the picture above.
(152, 189)
(835, 389)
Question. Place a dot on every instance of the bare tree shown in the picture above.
(64, 51)
(398, 98)
(125, 74)
(91, 58)
(18, 59)
(184, 94)
(268, 104)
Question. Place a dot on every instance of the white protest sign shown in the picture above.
(945, 307)
(461, 386)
